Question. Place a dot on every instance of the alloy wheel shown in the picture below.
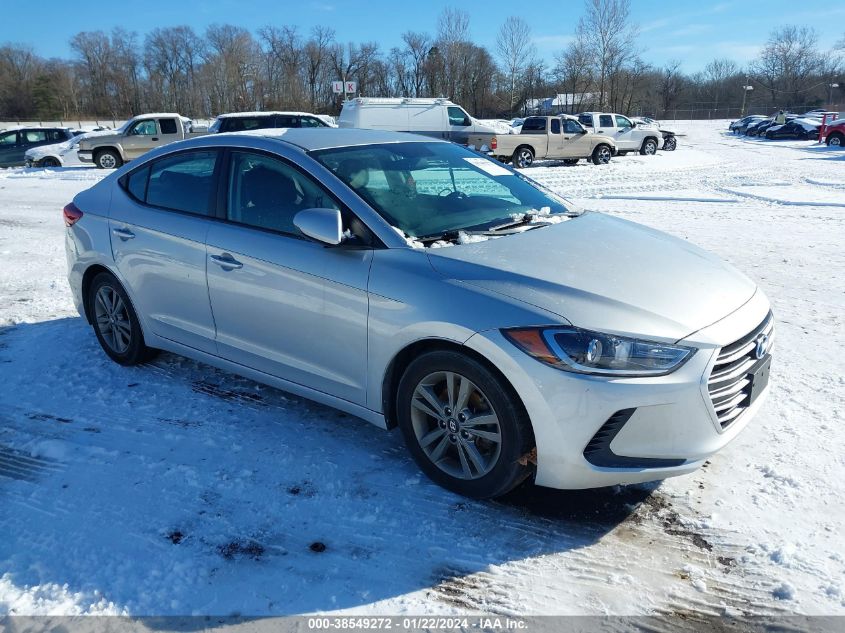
(835, 141)
(455, 425)
(524, 158)
(112, 319)
(604, 155)
(650, 148)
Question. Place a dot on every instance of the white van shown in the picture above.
(439, 118)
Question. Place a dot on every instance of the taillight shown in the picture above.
(494, 143)
(71, 213)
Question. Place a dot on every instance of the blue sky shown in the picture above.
(690, 31)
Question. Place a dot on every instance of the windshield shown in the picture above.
(427, 189)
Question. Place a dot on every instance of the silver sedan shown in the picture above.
(415, 283)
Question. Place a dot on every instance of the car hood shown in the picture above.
(604, 273)
(46, 150)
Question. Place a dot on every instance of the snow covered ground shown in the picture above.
(174, 488)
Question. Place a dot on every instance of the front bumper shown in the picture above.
(669, 426)
(85, 155)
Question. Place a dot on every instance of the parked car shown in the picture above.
(756, 129)
(135, 138)
(243, 121)
(552, 137)
(629, 135)
(439, 118)
(541, 353)
(835, 133)
(58, 154)
(742, 124)
(15, 142)
(797, 129)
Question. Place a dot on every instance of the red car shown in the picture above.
(835, 133)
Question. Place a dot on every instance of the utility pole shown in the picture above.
(745, 90)
(830, 88)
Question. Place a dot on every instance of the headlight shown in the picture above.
(585, 352)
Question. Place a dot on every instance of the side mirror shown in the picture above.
(322, 225)
(633, 124)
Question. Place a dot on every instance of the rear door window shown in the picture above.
(605, 120)
(168, 126)
(285, 120)
(534, 124)
(184, 182)
(243, 123)
(31, 137)
(555, 126)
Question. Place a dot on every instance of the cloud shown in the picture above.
(322, 6)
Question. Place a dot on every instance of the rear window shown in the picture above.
(586, 119)
(534, 124)
(243, 123)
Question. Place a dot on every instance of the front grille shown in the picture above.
(730, 382)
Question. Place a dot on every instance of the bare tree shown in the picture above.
(515, 50)
(316, 53)
(417, 46)
(610, 37)
(788, 63)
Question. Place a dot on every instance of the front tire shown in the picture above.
(523, 157)
(463, 426)
(115, 322)
(50, 162)
(108, 159)
(602, 154)
(835, 140)
(649, 147)
(670, 144)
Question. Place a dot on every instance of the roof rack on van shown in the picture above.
(402, 100)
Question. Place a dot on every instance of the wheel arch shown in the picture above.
(525, 146)
(116, 148)
(88, 278)
(399, 363)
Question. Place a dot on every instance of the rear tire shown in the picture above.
(523, 157)
(115, 322)
(108, 159)
(463, 426)
(602, 154)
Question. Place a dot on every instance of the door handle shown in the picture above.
(155, 138)
(124, 234)
(226, 261)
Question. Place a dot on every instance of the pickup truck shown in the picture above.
(629, 136)
(134, 138)
(551, 137)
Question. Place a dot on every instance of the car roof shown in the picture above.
(310, 139)
(235, 115)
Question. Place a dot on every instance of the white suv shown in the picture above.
(630, 136)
